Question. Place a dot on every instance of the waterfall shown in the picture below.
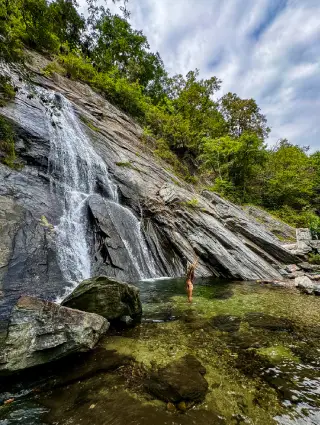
(74, 169)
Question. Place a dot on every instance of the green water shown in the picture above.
(260, 346)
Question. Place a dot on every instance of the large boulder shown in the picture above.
(181, 380)
(41, 331)
(107, 297)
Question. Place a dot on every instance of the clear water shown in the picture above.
(260, 347)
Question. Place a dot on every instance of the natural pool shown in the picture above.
(260, 346)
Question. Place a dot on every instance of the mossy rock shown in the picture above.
(268, 322)
(107, 297)
(180, 381)
(226, 323)
(278, 353)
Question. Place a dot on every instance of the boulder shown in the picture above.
(107, 297)
(41, 331)
(181, 380)
(305, 285)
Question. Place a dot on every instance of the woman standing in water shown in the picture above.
(190, 279)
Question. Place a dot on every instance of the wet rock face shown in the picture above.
(40, 332)
(268, 322)
(181, 380)
(107, 297)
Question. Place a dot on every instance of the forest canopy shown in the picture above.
(215, 142)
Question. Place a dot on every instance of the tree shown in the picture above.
(243, 115)
(117, 44)
(67, 24)
(289, 177)
(236, 163)
(191, 98)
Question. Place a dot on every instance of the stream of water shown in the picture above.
(260, 347)
(75, 170)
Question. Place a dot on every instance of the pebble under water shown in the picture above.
(260, 346)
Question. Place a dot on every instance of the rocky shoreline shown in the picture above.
(42, 331)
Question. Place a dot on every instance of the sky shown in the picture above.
(268, 50)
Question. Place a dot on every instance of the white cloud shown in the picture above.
(265, 49)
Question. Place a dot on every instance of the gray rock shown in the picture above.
(229, 242)
(310, 267)
(40, 332)
(305, 284)
(106, 297)
(181, 380)
(292, 268)
(272, 224)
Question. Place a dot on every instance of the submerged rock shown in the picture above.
(107, 297)
(41, 331)
(268, 322)
(181, 380)
(226, 323)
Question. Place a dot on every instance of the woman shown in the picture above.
(190, 280)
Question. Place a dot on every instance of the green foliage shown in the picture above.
(118, 45)
(288, 177)
(235, 162)
(293, 217)
(243, 115)
(7, 91)
(53, 67)
(314, 226)
(314, 258)
(39, 24)
(7, 148)
(192, 203)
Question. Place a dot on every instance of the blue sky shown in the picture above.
(265, 49)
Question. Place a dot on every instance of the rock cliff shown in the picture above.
(175, 223)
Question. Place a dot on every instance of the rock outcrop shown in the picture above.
(106, 297)
(40, 332)
(177, 223)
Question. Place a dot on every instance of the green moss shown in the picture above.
(88, 123)
(314, 258)
(278, 353)
(127, 164)
(7, 144)
(7, 91)
(45, 223)
(192, 203)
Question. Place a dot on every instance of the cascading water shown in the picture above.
(74, 169)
